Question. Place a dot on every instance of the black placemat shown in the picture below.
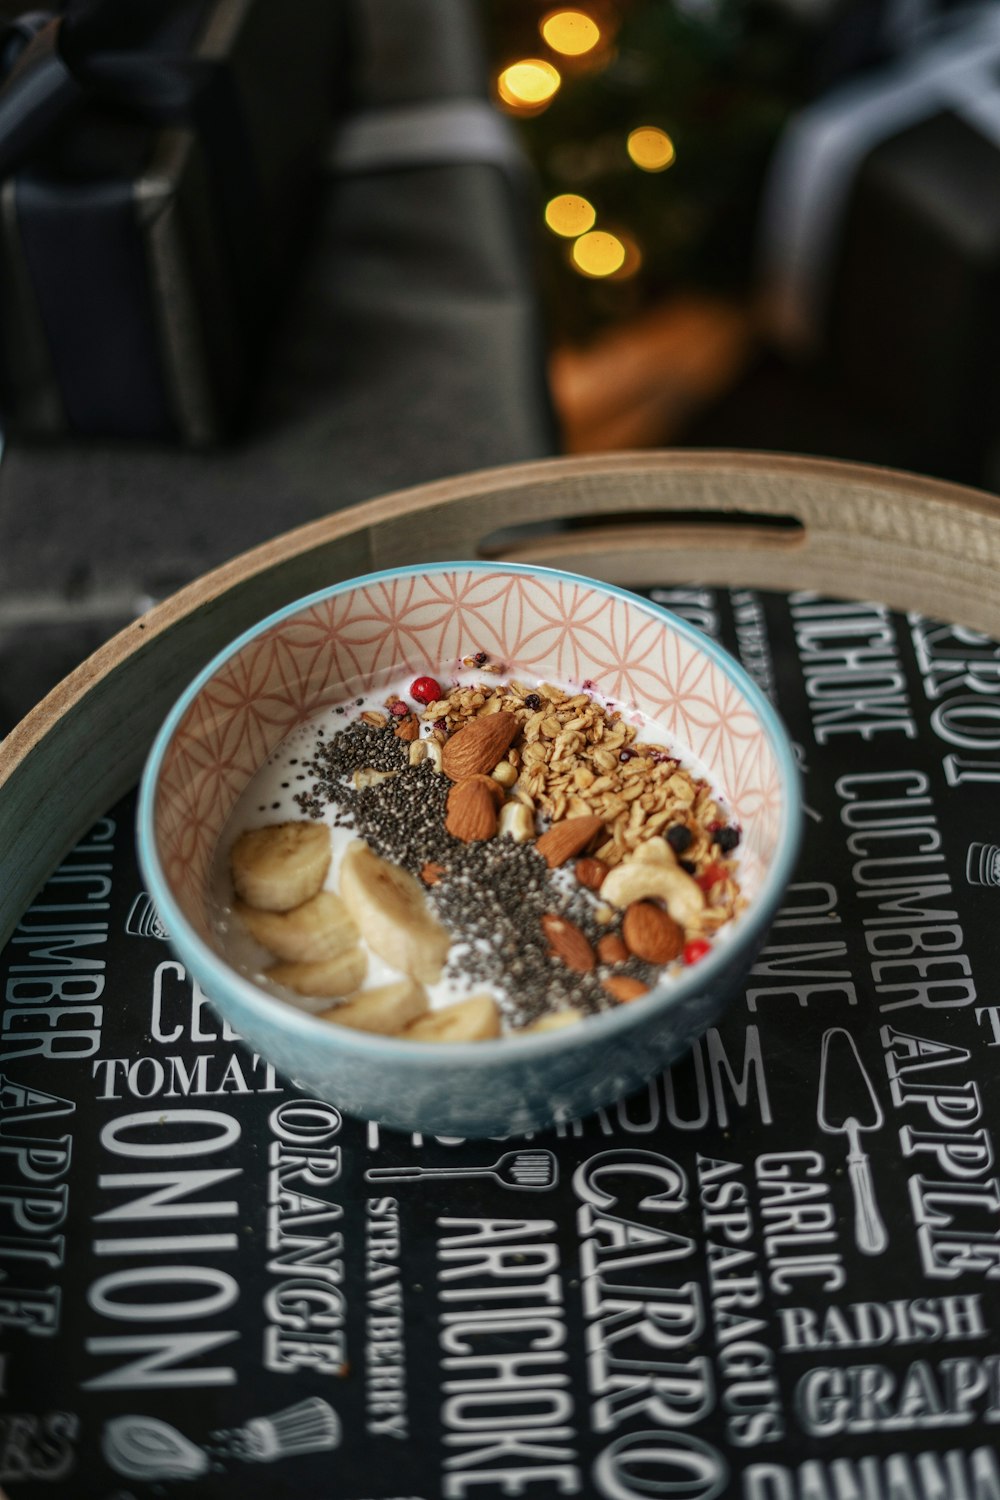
(772, 1274)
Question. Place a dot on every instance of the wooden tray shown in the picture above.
(758, 520)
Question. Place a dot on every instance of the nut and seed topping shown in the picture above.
(555, 848)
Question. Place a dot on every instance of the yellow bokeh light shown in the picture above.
(569, 215)
(598, 253)
(529, 83)
(570, 32)
(651, 148)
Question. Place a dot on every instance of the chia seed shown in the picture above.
(492, 895)
(492, 900)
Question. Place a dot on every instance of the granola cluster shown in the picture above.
(573, 757)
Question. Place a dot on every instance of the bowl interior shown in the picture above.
(543, 626)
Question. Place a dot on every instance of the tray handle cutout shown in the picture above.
(554, 537)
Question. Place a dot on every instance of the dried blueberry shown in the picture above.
(727, 839)
(689, 866)
(533, 702)
(626, 754)
(679, 838)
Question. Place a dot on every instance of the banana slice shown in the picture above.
(386, 1009)
(324, 980)
(317, 930)
(554, 1022)
(390, 908)
(474, 1020)
(278, 867)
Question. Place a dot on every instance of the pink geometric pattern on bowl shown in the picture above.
(541, 628)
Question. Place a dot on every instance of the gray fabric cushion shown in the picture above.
(410, 348)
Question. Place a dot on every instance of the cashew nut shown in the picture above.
(655, 851)
(367, 776)
(639, 879)
(516, 820)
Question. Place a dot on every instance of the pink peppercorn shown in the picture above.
(425, 689)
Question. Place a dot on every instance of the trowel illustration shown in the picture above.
(847, 1106)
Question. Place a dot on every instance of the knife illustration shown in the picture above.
(842, 1074)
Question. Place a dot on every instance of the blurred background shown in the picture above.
(259, 262)
(771, 223)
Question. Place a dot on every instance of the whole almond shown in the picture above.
(621, 988)
(611, 949)
(471, 813)
(563, 840)
(651, 933)
(494, 788)
(568, 943)
(408, 729)
(590, 872)
(479, 747)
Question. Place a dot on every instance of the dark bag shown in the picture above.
(157, 163)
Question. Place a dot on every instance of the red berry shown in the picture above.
(696, 950)
(398, 708)
(425, 689)
(710, 876)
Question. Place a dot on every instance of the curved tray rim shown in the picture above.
(865, 532)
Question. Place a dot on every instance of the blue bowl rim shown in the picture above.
(305, 1027)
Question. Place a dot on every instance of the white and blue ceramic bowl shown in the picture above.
(546, 626)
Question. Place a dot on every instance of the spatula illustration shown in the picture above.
(842, 1078)
(529, 1170)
